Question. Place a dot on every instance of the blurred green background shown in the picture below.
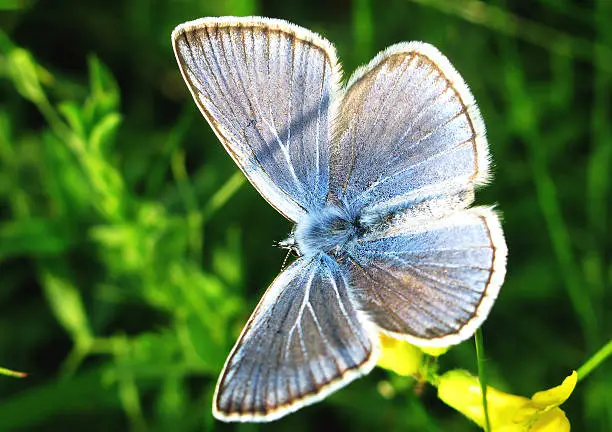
(132, 251)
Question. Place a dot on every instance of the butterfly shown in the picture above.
(377, 176)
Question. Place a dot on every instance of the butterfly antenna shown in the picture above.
(291, 246)
(285, 260)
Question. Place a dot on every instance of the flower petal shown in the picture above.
(507, 412)
(399, 356)
(553, 420)
(435, 352)
(557, 395)
(460, 390)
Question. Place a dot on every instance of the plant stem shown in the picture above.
(482, 376)
(595, 360)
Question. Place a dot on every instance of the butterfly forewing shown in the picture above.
(265, 86)
(408, 130)
(431, 283)
(304, 340)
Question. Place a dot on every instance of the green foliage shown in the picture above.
(131, 255)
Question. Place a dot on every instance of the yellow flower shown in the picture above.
(435, 352)
(399, 356)
(507, 412)
(402, 357)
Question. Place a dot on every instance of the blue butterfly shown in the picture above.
(377, 176)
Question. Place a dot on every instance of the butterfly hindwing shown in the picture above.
(431, 283)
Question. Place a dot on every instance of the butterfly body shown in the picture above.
(377, 176)
(328, 230)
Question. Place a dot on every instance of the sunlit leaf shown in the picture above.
(66, 303)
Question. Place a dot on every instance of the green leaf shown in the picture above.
(104, 96)
(37, 237)
(73, 115)
(66, 302)
(103, 133)
(25, 76)
(12, 373)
